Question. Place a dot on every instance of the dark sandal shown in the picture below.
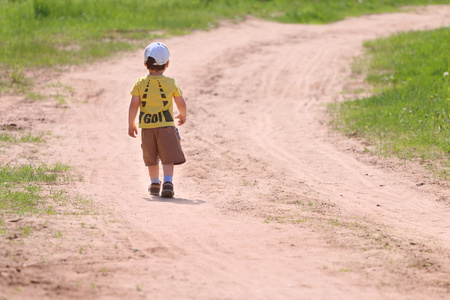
(154, 189)
(167, 191)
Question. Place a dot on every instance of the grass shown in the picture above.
(22, 188)
(22, 138)
(36, 33)
(35, 96)
(13, 78)
(17, 76)
(409, 116)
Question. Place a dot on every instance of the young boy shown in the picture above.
(153, 96)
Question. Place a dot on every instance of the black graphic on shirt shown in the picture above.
(155, 118)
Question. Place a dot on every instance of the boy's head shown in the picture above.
(156, 56)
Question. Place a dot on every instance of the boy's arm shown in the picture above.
(181, 104)
(132, 113)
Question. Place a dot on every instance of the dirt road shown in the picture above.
(272, 204)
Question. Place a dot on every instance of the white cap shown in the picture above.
(158, 51)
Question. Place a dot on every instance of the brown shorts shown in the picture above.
(161, 143)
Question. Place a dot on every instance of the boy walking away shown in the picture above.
(153, 96)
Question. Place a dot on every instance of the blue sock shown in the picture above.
(167, 178)
(154, 180)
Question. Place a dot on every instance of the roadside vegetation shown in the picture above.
(409, 115)
(32, 192)
(53, 32)
(29, 186)
(20, 138)
(26, 188)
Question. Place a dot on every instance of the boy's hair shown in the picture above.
(151, 65)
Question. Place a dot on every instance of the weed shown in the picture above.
(21, 138)
(334, 222)
(22, 187)
(35, 96)
(2, 227)
(301, 220)
(26, 231)
(59, 167)
(345, 270)
(60, 98)
(16, 75)
(69, 89)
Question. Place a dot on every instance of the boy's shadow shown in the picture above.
(175, 200)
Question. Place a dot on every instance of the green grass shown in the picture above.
(20, 138)
(22, 188)
(59, 32)
(35, 96)
(410, 114)
(13, 78)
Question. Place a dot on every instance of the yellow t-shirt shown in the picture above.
(156, 95)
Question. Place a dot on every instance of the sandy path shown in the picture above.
(271, 204)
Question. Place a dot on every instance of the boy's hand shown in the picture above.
(181, 105)
(132, 131)
(181, 119)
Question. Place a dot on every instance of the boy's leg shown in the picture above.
(155, 185)
(150, 155)
(168, 172)
(167, 191)
(153, 171)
